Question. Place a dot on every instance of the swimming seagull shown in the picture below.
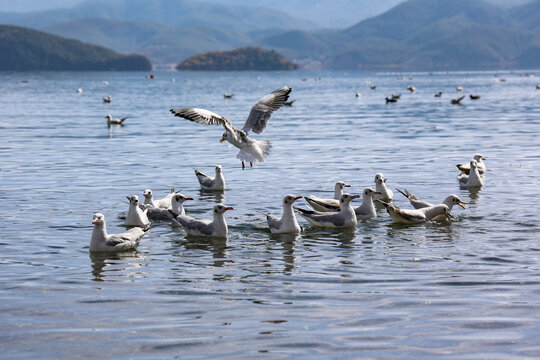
(391, 100)
(211, 183)
(474, 97)
(459, 88)
(364, 211)
(474, 179)
(228, 96)
(107, 99)
(457, 101)
(465, 168)
(439, 94)
(111, 121)
(177, 208)
(101, 241)
(216, 228)
(160, 203)
(344, 218)
(449, 201)
(380, 186)
(326, 205)
(250, 150)
(396, 96)
(287, 223)
(136, 216)
(411, 88)
(416, 216)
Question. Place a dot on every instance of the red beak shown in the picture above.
(229, 208)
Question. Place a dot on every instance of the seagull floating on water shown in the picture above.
(411, 88)
(459, 88)
(396, 96)
(107, 99)
(101, 241)
(112, 121)
(164, 203)
(215, 228)
(474, 97)
(416, 216)
(449, 201)
(211, 183)
(288, 222)
(327, 205)
(346, 216)
(474, 179)
(228, 96)
(250, 150)
(391, 100)
(384, 193)
(465, 168)
(136, 216)
(439, 94)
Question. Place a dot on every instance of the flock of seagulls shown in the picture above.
(336, 212)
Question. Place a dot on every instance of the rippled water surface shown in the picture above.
(469, 289)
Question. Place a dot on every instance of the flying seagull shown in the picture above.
(250, 150)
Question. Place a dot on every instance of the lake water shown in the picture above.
(469, 289)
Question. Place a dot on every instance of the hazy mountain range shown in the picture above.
(415, 34)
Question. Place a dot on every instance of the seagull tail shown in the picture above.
(258, 151)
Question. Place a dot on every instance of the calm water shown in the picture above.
(466, 290)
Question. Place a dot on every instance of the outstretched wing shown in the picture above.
(204, 117)
(263, 109)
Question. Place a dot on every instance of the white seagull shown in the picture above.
(216, 228)
(385, 193)
(449, 201)
(465, 168)
(101, 241)
(177, 208)
(416, 216)
(344, 218)
(136, 216)
(113, 121)
(164, 203)
(327, 205)
(211, 183)
(250, 150)
(287, 223)
(474, 179)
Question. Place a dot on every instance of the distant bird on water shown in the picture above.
(228, 96)
(474, 97)
(537, 86)
(391, 100)
(250, 150)
(287, 223)
(113, 121)
(103, 242)
(211, 183)
(457, 101)
(396, 96)
(459, 88)
(411, 88)
(107, 99)
(439, 94)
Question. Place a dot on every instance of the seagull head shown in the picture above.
(108, 117)
(457, 201)
(180, 198)
(379, 178)
(218, 169)
(290, 199)
(220, 208)
(98, 219)
(147, 194)
(224, 138)
(340, 185)
(347, 198)
(478, 157)
(474, 164)
(369, 192)
(133, 200)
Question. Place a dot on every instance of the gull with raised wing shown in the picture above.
(416, 216)
(327, 205)
(474, 179)
(287, 223)
(136, 216)
(215, 228)
(211, 183)
(449, 201)
(384, 193)
(101, 241)
(177, 208)
(346, 216)
(465, 168)
(250, 150)
(164, 203)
